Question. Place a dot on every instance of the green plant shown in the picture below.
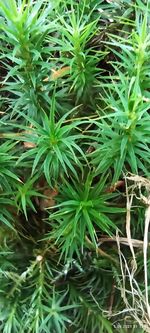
(8, 182)
(122, 136)
(74, 120)
(82, 209)
(26, 191)
(55, 151)
(73, 46)
(8, 157)
(5, 215)
(24, 28)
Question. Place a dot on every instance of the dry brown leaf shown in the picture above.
(28, 144)
(114, 187)
(49, 201)
(56, 74)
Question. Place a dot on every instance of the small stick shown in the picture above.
(123, 240)
(145, 246)
(100, 251)
(112, 298)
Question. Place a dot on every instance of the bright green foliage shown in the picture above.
(23, 37)
(75, 35)
(74, 120)
(7, 161)
(24, 194)
(123, 138)
(55, 150)
(83, 208)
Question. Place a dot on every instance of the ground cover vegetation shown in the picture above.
(74, 166)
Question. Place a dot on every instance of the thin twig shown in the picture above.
(145, 246)
(100, 251)
(128, 224)
(123, 240)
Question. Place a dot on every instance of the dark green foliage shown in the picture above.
(74, 120)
